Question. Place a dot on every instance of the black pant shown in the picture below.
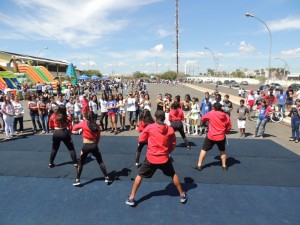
(104, 116)
(62, 136)
(87, 149)
(178, 126)
(20, 120)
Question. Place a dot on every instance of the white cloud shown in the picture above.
(191, 63)
(289, 23)
(291, 52)
(77, 23)
(158, 48)
(246, 48)
(163, 32)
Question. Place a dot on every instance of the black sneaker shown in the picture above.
(76, 182)
(107, 180)
(130, 202)
(183, 198)
(51, 165)
(199, 168)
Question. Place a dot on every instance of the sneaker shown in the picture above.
(130, 202)
(137, 165)
(107, 180)
(116, 132)
(199, 168)
(194, 134)
(9, 137)
(51, 165)
(292, 139)
(17, 132)
(76, 182)
(183, 198)
(43, 132)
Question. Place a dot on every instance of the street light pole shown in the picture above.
(285, 65)
(270, 51)
(39, 52)
(215, 62)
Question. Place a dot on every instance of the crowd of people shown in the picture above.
(81, 111)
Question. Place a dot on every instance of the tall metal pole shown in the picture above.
(177, 37)
(285, 65)
(215, 61)
(270, 51)
(38, 54)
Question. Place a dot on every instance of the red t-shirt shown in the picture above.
(86, 132)
(176, 115)
(54, 123)
(161, 142)
(219, 124)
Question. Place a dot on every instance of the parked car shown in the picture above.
(277, 86)
(234, 84)
(209, 81)
(244, 82)
(295, 86)
(199, 81)
(226, 81)
(232, 81)
(219, 82)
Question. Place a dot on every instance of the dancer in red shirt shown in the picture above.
(145, 119)
(91, 138)
(62, 126)
(161, 142)
(219, 125)
(176, 117)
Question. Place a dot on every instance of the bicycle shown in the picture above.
(276, 116)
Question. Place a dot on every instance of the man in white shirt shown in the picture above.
(68, 93)
(131, 110)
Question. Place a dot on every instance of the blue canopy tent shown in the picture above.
(95, 77)
(105, 78)
(84, 77)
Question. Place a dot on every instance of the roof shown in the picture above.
(29, 57)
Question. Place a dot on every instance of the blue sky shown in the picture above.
(123, 36)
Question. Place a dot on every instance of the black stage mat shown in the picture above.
(250, 161)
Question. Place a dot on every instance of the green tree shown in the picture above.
(169, 75)
(92, 72)
(138, 74)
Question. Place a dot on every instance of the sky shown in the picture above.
(124, 36)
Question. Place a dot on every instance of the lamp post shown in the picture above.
(39, 52)
(215, 62)
(285, 65)
(270, 51)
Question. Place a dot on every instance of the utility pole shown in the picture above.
(177, 37)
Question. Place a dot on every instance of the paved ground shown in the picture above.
(260, 187)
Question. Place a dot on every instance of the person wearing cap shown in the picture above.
(161, 142)
(219, 125)
(131, 109)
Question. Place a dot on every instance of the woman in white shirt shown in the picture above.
(8, 112)
(70, 108)
(19, 113)
(77, 108)
(104, 112)
(147, 102)
(93, 105)
(121, 111)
